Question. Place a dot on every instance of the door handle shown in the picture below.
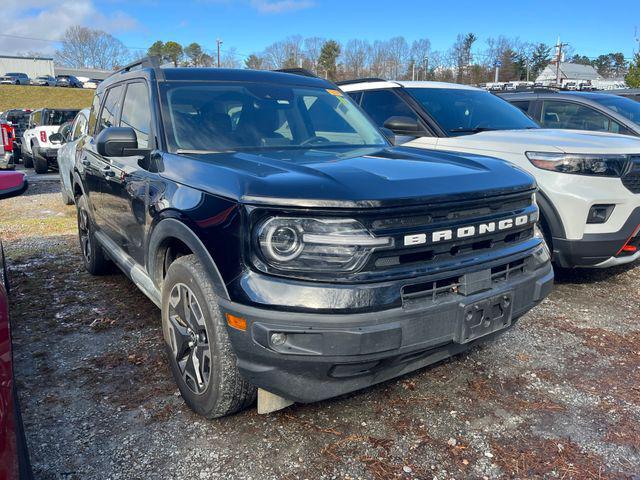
(108, 172)
(86, 163)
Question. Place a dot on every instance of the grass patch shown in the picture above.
(23, 96)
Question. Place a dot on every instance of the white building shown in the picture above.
(32, 66)
(569, 72)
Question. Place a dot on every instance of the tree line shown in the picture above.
(466, 61)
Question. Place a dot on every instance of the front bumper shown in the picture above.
(599, 250)
(330, 354)
(50, 154)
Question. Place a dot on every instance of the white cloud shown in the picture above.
(280, 6)
(48, 19)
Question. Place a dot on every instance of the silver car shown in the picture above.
(67, 153)
(45, 81)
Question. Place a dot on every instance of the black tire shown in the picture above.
(17, 153)
(94, 259)
(196, 334)
(40, 163)
(66, 199)
(27, 160)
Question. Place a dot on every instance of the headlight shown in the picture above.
(316, 245)
(581, 164)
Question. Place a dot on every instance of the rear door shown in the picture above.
(125, 190)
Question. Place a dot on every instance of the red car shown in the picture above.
(14, 457)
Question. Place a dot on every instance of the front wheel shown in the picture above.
(198, 348)
(94, 259)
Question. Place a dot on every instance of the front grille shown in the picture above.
(450, 217)
(632, 179)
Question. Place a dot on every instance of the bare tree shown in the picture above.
(312, 49)
(83, 47)
(355, 58)
(420, 53)
(230, 59)
(397, 53)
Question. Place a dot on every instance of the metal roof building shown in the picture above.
(83, 74)
(32, 66)
(569, 72)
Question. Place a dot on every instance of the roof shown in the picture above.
(13, 57)
(222, 75)
(570, 71)
(371, 85)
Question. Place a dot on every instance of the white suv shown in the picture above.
(589, 182)
(39, 150)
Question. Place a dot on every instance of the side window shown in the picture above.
(522, 105)
(95, 108)
(110, 108)
(560, 114)
(356, 96)
(384, 104)
(136, 112)
(37, 116)
(79, 127)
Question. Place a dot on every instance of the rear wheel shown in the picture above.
(27, 160)
(200, 355)
(93, 256)
(66, 199)
(39, 162)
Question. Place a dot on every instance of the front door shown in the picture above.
(125, 190)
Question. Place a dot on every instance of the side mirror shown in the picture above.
(12, 184)
(56, 137)
(117, 142)
(403, 125)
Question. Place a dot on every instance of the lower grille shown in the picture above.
(458, 285)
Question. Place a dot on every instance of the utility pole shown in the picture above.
(559, 47)
(218, 42)
(426, 66)
(497, 75)
(413, 70)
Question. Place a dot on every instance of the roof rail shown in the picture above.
(152, 62)
(360, 80)
(296, 71)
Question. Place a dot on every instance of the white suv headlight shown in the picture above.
(582, 164)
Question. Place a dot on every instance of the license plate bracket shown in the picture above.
(484, 317)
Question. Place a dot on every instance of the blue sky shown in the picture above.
(590, 27)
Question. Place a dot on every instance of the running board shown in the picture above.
(129, 266)
(269, 402)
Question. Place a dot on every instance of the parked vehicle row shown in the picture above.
(71, 81)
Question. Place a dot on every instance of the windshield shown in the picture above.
(463, 112)
(58, 117)
(624, 106)
(239, 116)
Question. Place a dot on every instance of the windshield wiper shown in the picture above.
(186, 151)
(472, 130)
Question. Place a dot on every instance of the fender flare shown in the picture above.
(173, 228)
(551, 215)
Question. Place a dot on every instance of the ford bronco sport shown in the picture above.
(294, 253)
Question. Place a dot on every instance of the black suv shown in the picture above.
(68, 81)
(289, 246)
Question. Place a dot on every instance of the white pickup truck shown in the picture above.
(38, 149)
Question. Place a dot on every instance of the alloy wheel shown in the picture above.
(188, 338)
(83, 230)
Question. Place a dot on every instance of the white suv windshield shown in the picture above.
(624, 106)
(237, 116)
(463, 112)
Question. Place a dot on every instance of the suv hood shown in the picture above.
(364, 177)
(547, 140)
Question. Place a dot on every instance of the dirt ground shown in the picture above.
(558, 396)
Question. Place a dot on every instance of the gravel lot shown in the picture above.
(558, 396)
